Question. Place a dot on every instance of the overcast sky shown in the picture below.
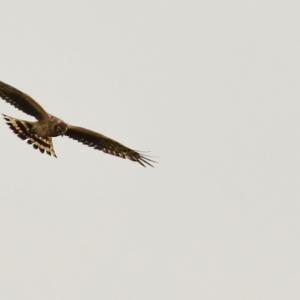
(211, 89)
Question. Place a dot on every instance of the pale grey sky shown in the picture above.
(212, 89)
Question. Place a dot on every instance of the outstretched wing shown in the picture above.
(21, 101)
(105, 144)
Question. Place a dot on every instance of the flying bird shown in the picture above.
(40, 133)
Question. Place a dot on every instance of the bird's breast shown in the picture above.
(42, 129)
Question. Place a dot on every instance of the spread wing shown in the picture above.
(105, 144)
(21, 101)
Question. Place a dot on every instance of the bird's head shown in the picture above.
(58, 127)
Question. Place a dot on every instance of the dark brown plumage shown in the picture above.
(41, 132)
(21, 101)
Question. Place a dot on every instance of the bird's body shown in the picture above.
(47, 126)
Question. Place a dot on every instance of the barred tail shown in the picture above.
(23, 130)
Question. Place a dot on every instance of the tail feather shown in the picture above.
(23, 130)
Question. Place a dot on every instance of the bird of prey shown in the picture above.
(40, 133)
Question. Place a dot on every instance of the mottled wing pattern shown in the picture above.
(105, 144)
(21, 101)
(23, 130)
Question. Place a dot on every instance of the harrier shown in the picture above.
(40, 133)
